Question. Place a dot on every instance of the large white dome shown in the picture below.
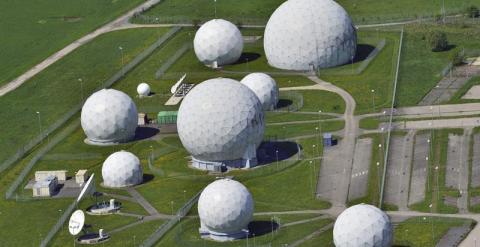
(218, 40)
(219, 120)
(264, 87)
(302, 34)
(109, 116)
(363, 225)
(143, 89)
(122, 169)
(225, 206)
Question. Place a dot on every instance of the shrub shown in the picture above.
(438, 41)
(472, 11)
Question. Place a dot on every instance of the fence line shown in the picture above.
(164, 228)
(378, 48)
(173, 59)
(39, 155)
(387, 142)
(61, 221)
(60, 122)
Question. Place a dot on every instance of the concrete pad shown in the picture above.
(440, 123)
(361, 164)
(331, 174)
(476, 161)
(453, 161)
(398, 170)
(419, 170)
(454, 236)
(472, 93)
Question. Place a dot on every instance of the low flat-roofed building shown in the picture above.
(81, 176)
(45, 187)
(43, 175)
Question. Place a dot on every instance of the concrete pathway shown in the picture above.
(120, 21)
(142, 201)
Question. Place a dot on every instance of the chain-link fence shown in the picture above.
(178, 54)
(54, 141)
(75, 109)
(164, 228)
(60, 222)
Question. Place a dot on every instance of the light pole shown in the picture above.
(171, 204)
(184, 196)
(151, 153)
(378, 174)
(373, 99)
(121, 54)
(431, 221)
(311, 178)
(81, 87)
(276, 153)
(40, 125)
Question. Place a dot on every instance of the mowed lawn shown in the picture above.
(31, 30)
(254, 11)
(56, 90)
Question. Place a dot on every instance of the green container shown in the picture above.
(167, 117)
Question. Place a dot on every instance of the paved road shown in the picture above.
(360, 171)
(418, 181)
(464, 172)
(338, 160)
(142, 201)
(122, 20)
(437, 123)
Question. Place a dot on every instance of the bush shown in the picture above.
(472, 11)
(457, 58)
(438, 41)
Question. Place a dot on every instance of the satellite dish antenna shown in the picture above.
(77, 220)
(179, 82)
(88, 188)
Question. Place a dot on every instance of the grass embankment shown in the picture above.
(32, 30)
(436, 189)
(420, 68)
(57, 89)
(362, 11)
(425, 231)
(378, 76)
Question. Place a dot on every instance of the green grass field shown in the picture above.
(420, 68)
(57, 89)
(362, 11)
(34, 29)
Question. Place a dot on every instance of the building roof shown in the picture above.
(44, 183)
(81, 172)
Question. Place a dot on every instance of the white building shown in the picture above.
(43, 175)
(265, 87)
(221, 123)
(45, 187)
(122, 169)
(108, 117)
(309, 34)
(225, 208)
(218, 42)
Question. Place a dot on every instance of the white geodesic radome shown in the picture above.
(220, 120)
(225, 208)
(309, 34)
(265, 87)
(363, 225)
(109, 116)
(218, 41)
(122, 169)
(143, 89)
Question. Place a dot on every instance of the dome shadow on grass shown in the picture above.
(247, 57)
(267, 152)
(142, 133)
(258, 228)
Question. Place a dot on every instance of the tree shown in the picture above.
(438, 41)
(473, 11)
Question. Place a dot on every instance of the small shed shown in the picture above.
(142, 118)
(81, 176)
(327, 140)
(167, 117)
(45, 187)
(43, 175)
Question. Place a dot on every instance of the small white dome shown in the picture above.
(225, 206)
(218, 40)
(219, 120)
(305, 33)
(122, 169)
(363, 225)
(264, 87)
(143, 89)
(109, 116)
